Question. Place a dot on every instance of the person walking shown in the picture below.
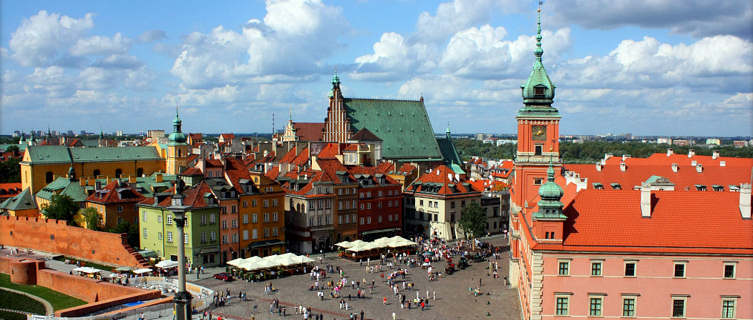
(362, 314)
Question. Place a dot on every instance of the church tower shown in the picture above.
(177, 148)
(336, 125)
(538, 130)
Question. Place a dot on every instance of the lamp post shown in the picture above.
(182, 297)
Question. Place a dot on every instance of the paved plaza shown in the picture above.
(453, 298)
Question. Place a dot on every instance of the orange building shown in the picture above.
(115, 203)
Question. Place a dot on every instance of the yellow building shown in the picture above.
(177, 148)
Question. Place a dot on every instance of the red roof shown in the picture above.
(680, 221)
(447, 185)
(213, 163)
(191, 172)
(385, 167)
(227, 136)
(309, 131)
(735, 171)
(406, 169)
(9, 189)
(302, 158)
(289, 156)
(273, 172)
(329, 151)
(115, 192)
(193, 197)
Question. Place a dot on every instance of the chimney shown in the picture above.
(745, 201)
(715, 155)
(645, 201)
(691, 153)
(669, 152)
(623, 166)
(598, 166)
(675, 167)
(699, 168)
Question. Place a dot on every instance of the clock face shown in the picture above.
(538, 133)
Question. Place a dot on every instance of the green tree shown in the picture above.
(473, 220)
(131, 230)
(91, 219)
(13, 149)
(10, 170)
(61, 207)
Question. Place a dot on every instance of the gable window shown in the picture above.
(596, 268)
(679, 270)
(630, 269)
(539, 91)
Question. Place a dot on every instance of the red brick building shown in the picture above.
(380, 204)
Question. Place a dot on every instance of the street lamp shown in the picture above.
(182, 297)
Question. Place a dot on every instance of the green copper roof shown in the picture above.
(63, 154)
(538, 77)
(21, 201)
(177, 137)
(63, 186)
(403, 126)
(449, 153)
(550, 193)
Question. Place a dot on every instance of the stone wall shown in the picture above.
(55, 236)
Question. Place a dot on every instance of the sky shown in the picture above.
(646, 67)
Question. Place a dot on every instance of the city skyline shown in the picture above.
(646, 68)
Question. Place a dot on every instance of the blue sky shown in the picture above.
(648, 67)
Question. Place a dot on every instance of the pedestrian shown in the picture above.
(394, 316)
(434, 293)
(141, 315)
(362, 314)
(384, 300)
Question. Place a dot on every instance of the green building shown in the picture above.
(157, 230)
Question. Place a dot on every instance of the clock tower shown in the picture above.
(538, 131)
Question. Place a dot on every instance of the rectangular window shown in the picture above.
(274, 216)
(224, 239)
(159, 219)
(145, 234)
(143, 216)
(340, 203)
(563, 268)
(679, 270)
(340, 219)
(596, 268)
(169, 219)
(339, 192)
(245, 235)
(185, 238)
(728, 308)
(233, 209)
(630, 269)
(389, 217)
(224, 224)
(245, 219)
(729, 271)
(368, 194)
(563, 306)
(245, 204)
(212, 219)
(254, 218)
(253, 203)
(368, 205)
(628, 306)
(379, 193)
(203, 219)
(266, 203)
(203, 237)
(275, 232)
(368, 220)
(274, 203)
(234, 223)
(594, 306)
(266, 232)
(361, 220)
(266, 217)
(213, 236)
(379, 219)
(169, 236)
(362, 206)
(538, 149)
(255, 234)
(678, 307)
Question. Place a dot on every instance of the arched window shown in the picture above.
(139, 172)
(118, 173)
(96, 173)
(48, 176)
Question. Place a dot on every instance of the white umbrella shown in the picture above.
(142, 270)
(87, 270)
(235, 262)
(344, 244)
(248, 263)
(166, 264)
(363, 247)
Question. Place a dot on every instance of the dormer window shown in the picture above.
(539, 91)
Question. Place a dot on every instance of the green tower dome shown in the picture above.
(538, 89)
(550, 190)
(176, 137)
(550, 206)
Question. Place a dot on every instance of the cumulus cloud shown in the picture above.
(699, 18)
(41, 39)
(98, 45)
(294, 38)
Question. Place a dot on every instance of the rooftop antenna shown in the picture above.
(273, 124)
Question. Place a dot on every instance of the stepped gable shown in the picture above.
(402, 125)
(309, 131)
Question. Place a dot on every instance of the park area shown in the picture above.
(472, 292)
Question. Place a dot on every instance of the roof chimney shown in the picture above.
(691, 153)
(745, 201)
(623, 166)
(699, 168)
(715, 155)
(598, 166)
(675, 167)
(669, 152)
(645, 201)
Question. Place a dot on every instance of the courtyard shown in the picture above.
(455, 297)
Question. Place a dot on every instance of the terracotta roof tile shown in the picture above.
(309, 131)
(116, 192)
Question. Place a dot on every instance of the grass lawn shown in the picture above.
(11, 316)
(14, 301)
(58, 300)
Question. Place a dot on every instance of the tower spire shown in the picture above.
(539, 51)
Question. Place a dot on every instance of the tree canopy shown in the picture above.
(92, 220)
(473, 220)
(61, 207)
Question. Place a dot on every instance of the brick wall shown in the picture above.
(56, 237)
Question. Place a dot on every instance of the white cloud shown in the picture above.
(40, 39)
(98, 45)
(152, 35)
(294, 39)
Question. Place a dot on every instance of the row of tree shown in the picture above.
(592, 151)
